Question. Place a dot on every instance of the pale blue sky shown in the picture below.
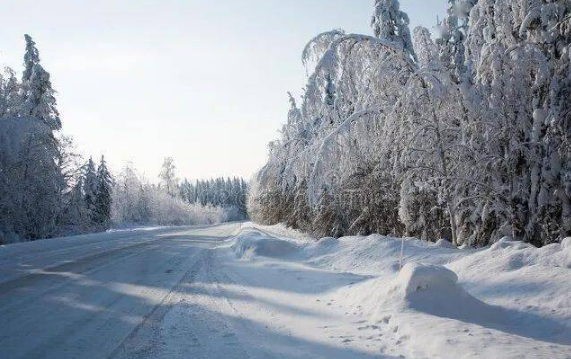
(202, 81)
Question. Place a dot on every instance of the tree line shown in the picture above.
(138, 201)
(225, 192)
(47, 190)
(467, 137)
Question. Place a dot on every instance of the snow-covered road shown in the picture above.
(108, 295)
(243, 291)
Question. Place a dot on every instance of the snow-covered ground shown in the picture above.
(510, 300)
(248, 291)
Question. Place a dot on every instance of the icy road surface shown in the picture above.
(113, 295)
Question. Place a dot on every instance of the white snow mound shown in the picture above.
(251, 242)
(424, 287)
(434, 290)
(416, 277)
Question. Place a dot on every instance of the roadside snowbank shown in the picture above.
(376, 254)
(251, 242)
(508, 300)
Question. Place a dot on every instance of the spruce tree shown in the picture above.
(31, 58)
(38, 96)
(103, 198)
(76, 215)
(90, 186)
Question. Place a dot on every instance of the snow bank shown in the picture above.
(252, 242)
(510, 274)
(444, 303)
(376, 254)
(281, 231)
(434, 290)
(417, 278)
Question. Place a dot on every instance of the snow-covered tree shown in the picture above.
(10, 97)
(430, 124)
(31, 58)
(168, 176)
(391, 24)
(38, 96)
(452, 36)
(425, 49)
(104, 195)
(316, 48)
(75, 214)
(31, 184)
(229, 194)
(90, 188)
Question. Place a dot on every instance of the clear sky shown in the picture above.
(203, 81)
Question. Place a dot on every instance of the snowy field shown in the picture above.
(245, 291)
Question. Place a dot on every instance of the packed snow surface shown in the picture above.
(242, 290)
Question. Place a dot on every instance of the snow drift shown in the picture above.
(444, 302)
(434, 290)
(251, 242)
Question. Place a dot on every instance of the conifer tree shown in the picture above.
(11, 98)
(103, 195)
(38, 96)
(31, 58)
(76, 211)
(90, 187)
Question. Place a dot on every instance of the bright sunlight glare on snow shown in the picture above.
(292, 179)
